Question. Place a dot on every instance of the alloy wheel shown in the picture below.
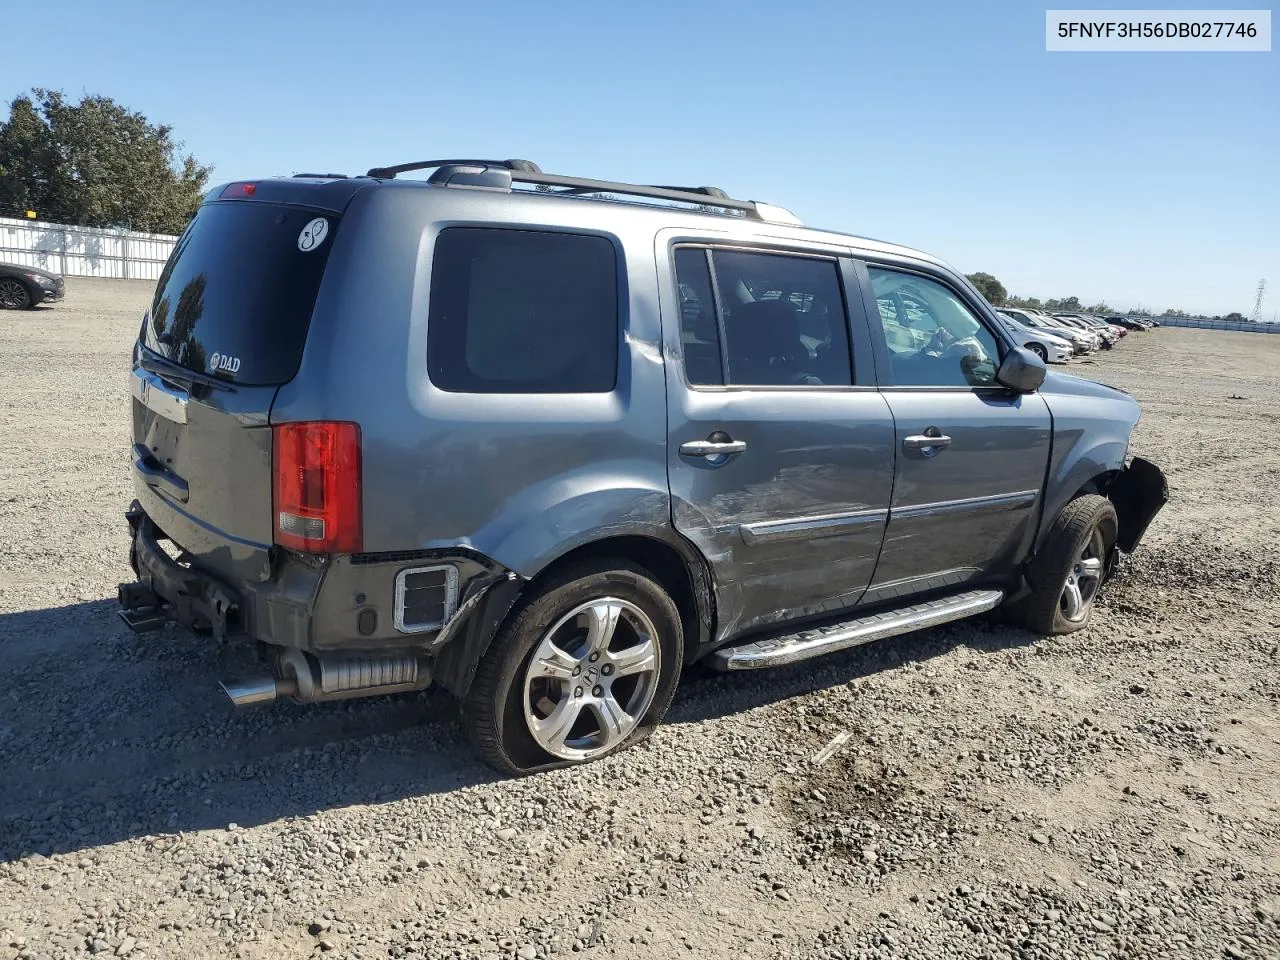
(1084, 578)
(13, 295)
(591, 679)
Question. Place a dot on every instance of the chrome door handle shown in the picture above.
(922, 440)
(712, 448)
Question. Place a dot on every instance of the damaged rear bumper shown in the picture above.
(169, 591)
(340, 641)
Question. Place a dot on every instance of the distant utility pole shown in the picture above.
(1256, 316)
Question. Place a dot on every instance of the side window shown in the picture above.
(934, 340)
(520, 311)
(699, 335)
(783, 319)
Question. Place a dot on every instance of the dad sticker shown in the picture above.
(313, 234)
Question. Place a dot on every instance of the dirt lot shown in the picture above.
(1115, 793)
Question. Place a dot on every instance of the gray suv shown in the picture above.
(542, 441)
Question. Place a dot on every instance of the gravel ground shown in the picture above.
(1109, 794)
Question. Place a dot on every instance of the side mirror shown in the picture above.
(1021, 370)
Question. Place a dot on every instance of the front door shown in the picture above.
(780, 448)
(971, 455)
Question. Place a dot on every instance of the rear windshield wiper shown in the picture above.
(170, 370)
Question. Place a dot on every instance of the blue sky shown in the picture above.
(1138, 178)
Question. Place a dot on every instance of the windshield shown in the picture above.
(236, 295)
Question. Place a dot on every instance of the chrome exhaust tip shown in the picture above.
(262, 690)
(310, 679)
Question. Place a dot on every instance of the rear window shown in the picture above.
(523, 311)
(235, 298)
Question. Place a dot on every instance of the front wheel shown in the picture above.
(586, 666)
(1039, 351)
(14, 294)
(1068, 571)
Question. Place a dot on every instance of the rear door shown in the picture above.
(226, 327)
(780, 449)
(971, 455)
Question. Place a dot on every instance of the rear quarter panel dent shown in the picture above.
(549, 520)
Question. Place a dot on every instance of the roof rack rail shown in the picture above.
(501, 174)
(678, 194)
(389, 173)
(709, 191)
(699, 196)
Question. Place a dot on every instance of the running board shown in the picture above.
(786, 648)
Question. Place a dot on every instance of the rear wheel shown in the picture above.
(586, 667)
(1068, 571)
(1039, 351)
(14, 294)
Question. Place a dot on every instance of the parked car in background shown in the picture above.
(1045, 345)
(24, 287)
(1082, 342)
(1119, 331)
(595, 442)
(1104, 329)
(1106, 339)
(1129, 323)
(1101, 323)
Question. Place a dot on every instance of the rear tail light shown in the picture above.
(316, 486)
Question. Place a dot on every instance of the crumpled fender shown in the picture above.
(1139, 493)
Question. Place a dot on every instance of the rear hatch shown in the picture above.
(225, 329)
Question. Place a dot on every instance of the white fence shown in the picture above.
(1246, 327)
(84, 251)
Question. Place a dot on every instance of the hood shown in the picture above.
(1064, 384)
(23, 268)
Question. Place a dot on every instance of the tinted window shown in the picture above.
(699, 337)
(238, 291)
(933, 338)
(783, 319)
(517, 311)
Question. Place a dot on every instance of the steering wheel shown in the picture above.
(938, 343)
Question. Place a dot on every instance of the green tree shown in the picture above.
(1028, 303)
(1173, 312)
(1100, 307)
(1236, 318)
(95, 163)
(989, 287)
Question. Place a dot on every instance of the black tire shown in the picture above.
(1039, 351)
(1067, 544)
(494, 710)
(15, 295)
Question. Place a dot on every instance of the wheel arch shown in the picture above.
(1076, 470)
(676, 565)
(1138, 490)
